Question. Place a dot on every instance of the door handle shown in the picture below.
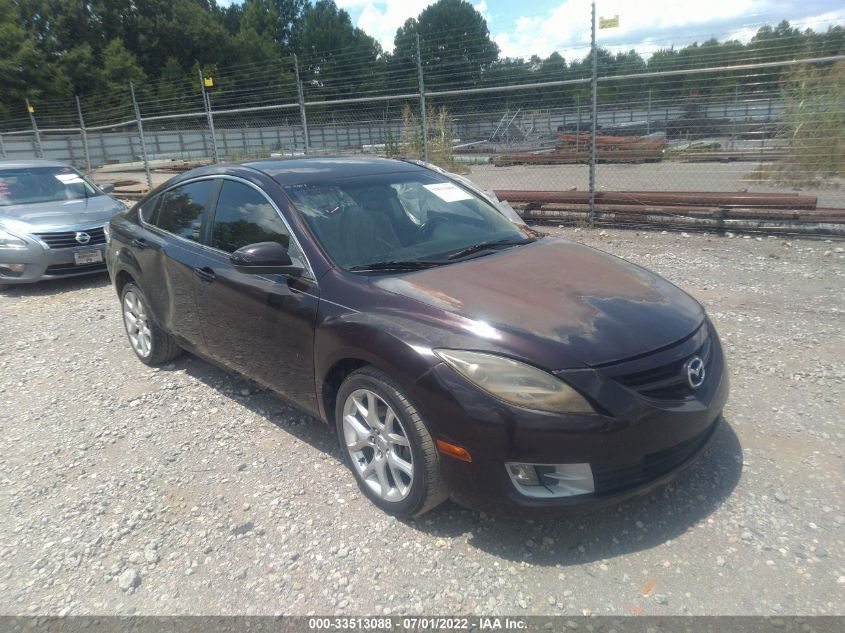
(205, 273)
(139, 243)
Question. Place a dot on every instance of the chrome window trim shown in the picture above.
(308, 268)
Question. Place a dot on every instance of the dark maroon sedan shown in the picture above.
(457, 351)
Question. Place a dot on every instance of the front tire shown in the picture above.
(152, 345)
(387, 445)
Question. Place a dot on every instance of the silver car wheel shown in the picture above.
(137, 326)
(378, 445)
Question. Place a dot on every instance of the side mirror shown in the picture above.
(264, 258)
(107, 187)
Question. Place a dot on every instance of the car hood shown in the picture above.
(28, 218)
(580, 305)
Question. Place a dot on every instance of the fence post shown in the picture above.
(577, 125)
(84, 135)
(301, 95)
(206, 103)
(38, 147)
(594, 88)
(141, 136)
(648, 115)
(2, 147)
(423, 121)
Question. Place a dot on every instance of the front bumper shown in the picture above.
(43, 263)
(634, 445)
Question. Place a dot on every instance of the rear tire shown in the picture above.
(151, 344)
(386, 444)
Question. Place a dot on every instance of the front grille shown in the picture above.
(67, 239)
(652, 466)
(668, 381)
(58, 270)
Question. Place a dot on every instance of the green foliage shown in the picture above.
(455, 45)
(22, 64)
(120, 67)
(439, 136)
(330, 46)
(51, 50)
(813, 125)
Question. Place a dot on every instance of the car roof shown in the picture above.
(24, 164)
(290, 171)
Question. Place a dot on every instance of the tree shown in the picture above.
(336, 57)
(279, 21)
(455, 46)
(77, 71)
(22, 64)
(120, 67)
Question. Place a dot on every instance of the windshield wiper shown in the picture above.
(483, 246)
(414, 264)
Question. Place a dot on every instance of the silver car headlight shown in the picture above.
(515, 382)
(107, 233)
(7, 240)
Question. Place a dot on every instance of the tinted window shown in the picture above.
(148, 208)
(244, 217)
(182, 207)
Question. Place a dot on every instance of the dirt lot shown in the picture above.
(663, 176)
(185, 490)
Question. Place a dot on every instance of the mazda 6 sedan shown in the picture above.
(456, 351)
(51, 222)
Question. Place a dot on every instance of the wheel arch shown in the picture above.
(122, 278)
(384, 351)
(332, 381)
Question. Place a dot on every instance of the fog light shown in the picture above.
(524, 474)
(552, 480)
(12, 268)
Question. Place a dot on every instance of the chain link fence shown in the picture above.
(750, 126)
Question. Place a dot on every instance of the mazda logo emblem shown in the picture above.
(82, 237)
(695, 372)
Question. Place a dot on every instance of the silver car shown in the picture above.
(51, 222)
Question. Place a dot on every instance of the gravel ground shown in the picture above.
(187, 491)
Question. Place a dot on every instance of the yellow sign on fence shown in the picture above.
(609, 23)
(208, 81)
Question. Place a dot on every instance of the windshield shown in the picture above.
(401, 217)
(30, 185)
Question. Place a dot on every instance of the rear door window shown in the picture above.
(181, 211)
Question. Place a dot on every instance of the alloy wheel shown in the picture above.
(378, 445)
(137, 326)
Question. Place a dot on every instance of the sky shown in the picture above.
(540, 27)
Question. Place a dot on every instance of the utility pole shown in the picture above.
(206, 103)
(38, 147)
(301, 94)
(423, 121)
(84, 136)
(594, 87)
(141, 135)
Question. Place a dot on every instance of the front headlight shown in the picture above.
(107, 233)
(7, 240)
(515, 382)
